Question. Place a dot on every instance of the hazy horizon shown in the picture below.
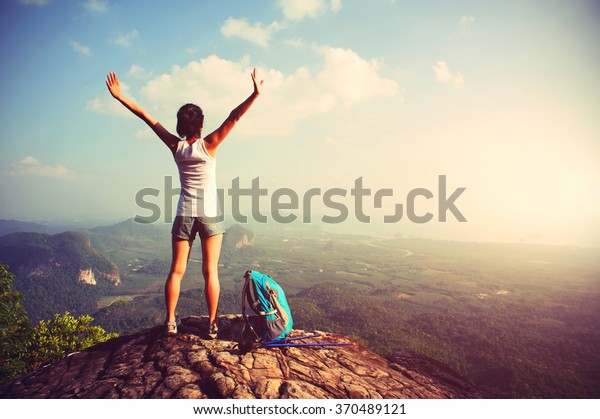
(501, 97)
(352, 228)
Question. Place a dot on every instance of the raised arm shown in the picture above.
(216, 137)
(112, 82)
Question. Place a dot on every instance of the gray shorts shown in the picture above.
(185, 228)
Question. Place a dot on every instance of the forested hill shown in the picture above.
(71, 271)
(238, 241)
(57, 273)
(128, 236)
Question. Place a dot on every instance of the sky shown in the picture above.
(501, 99)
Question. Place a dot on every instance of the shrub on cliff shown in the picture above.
(24, 348)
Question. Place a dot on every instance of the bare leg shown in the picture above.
(211, 250)
(181, 254)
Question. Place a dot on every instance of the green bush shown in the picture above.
(24, 348)
(15, 328)
(54, 339)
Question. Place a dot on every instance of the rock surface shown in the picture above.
(149, 365)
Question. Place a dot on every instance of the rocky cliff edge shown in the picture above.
(149, 365)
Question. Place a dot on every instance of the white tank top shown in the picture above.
(197, 174)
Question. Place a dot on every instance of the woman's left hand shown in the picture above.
(257, 84)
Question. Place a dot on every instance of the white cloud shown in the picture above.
(138, 72)
(96, 6)
(443, 74)
(81, 49)
(126, 40)
(466, 21)
(145, 134)
(352, 78)
(257, 33)
(106, 104)
(341, 79)
(218, 85)
(212, 81)
(30, 166)
(295, 42)
(336, 5)
(34, 2)
(297, 10)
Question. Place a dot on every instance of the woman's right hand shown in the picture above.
(112, 82)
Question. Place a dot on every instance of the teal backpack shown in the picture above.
(267, 315)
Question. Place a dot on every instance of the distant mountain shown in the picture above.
(238, 241)
(14, 226)
(57, 272)
(131, 228)
(238, 237)
(129, 233)
(71, 270)
(153, 243)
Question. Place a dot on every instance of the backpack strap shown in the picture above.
(273, 300)
(250, 293)
(246, 294)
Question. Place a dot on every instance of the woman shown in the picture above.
(197, 210)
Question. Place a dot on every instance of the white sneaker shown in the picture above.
(170, 328)
(213, 330)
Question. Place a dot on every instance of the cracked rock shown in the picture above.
(149, 365)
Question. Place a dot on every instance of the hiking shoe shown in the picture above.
(171, 328)
(213, 330)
